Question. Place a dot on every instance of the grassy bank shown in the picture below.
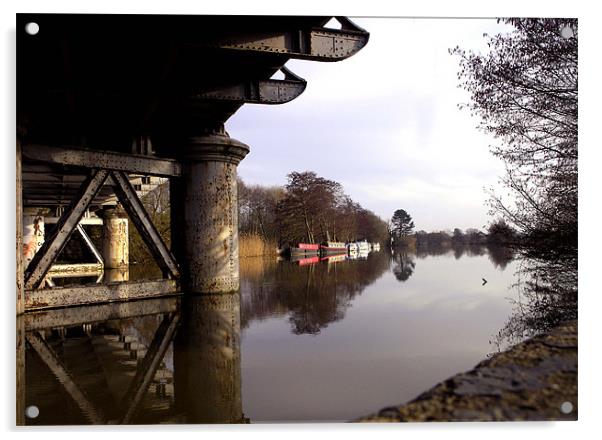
(252, 245)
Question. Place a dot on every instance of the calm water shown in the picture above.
(330, 341)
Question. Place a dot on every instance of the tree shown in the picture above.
(402, 224)
(525, 92)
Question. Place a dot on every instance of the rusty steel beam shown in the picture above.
(72, 316)
(129, 199)
(42, 261)
(74, 270)
(270, 91)
(53, 362)
(98, 293)
(147, 369)
(315, 44)
(110, 160)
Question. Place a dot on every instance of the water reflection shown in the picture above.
(313, 295)
(178, 360)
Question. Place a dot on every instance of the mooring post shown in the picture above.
(204, 213)
(115, 238)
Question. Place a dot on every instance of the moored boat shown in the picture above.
(330, 247)
(305, 249)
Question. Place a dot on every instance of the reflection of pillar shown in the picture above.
(204, 213)
(33, 232)
(207, 359)
(115, 242)
(116, 275)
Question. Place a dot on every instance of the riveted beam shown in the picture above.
(129, 199)
(39, 299)
(147, 369)
(270, 91)
(53, 362)
(315, 44)
(71, 316)
(42, 261)
(110, 160)
(90, 244)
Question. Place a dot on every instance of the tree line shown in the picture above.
(308, 208)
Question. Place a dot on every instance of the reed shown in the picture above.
(253, 245)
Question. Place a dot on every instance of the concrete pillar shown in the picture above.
(33, 232)
(204, 213)
(115, 239)
(116, 275)
(207, 372)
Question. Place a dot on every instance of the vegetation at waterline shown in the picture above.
(524, 89)
(309, 208)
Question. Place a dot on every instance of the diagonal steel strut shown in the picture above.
(129, 199)
(147, 369)
(55, 365)
(43, 259)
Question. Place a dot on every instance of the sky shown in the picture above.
(384, 123)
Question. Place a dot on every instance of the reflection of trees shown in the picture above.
(404, 266)
(500, 256)
(547, 290)
(313, 295)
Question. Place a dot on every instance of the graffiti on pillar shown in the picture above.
(33, 236)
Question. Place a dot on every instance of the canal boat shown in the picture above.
(375, 247)
(363, 246)
(304, 249)
(333, 247)
(352, 248)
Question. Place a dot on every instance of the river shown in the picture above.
(330, 341)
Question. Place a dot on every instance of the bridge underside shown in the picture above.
(104, 99)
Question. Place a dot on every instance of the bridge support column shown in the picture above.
(204, 213)
(33, 232)
(115, 239)
(207, 371)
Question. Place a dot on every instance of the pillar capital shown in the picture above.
(215, 146)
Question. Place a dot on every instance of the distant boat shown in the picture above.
(376, 247)
(304, 249)
(330, 247)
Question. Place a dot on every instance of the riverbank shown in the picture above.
(252, 245)
(534, 380)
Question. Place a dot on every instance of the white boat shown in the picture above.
(363, 246)
(376, 247)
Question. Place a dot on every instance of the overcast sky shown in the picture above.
(385, 124)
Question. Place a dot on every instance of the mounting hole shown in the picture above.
(566, 407)
(567, 32)
(32, 412)
(32, 28)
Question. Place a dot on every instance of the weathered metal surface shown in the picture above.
(85, 221)
(20, 268)
(70, 270)
(270, 91)
(71, 316)
(316, 44)
(99, 293)
(148, 367)
(115, 239)
(33, 233)
(209, 342)
(205, 215)
(88, 158)
(50, 358)
(52, 247)
(138, 215)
